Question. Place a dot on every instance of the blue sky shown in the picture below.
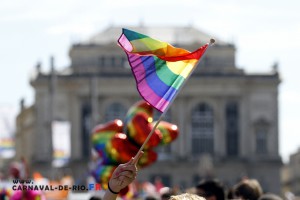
(263, 31)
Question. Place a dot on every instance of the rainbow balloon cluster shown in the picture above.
(117, 143)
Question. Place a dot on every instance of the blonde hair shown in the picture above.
(186, 196)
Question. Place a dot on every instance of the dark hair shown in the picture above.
(150, 198)
(230, 193)
(95, 198)
(166, 196)
(249, 189)
(212, 188)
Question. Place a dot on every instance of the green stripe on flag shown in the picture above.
(166, 75)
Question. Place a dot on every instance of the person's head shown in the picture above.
(186, 196)
(95, 198)
(150, 198)
(210, 190)
(165, 193)
(270, 196)
(230, 193)
(165, 196)
(249, 189)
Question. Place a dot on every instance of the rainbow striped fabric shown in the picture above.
(159, 68)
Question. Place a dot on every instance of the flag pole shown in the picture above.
(135, 160)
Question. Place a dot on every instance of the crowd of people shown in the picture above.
(125, 174)
(246, 189)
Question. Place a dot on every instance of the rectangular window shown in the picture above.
(101, 61)
(232, 129)
(261, 140)
(202, 130)
(113, 61)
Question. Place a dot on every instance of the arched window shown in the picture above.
(232, 128)
(115, 111)
(261, 137)
(202, 129)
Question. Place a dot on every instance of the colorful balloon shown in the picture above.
(127, 150)
(169, 132)
(115, 147)
(102, 174)
(114, 126)
(138, 129)
(102, 137)
(139, 107)
(138, 125)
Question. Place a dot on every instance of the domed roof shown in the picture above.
(172, 35)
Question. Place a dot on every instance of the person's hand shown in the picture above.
(124, 174)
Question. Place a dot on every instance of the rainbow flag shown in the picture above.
(159, 68)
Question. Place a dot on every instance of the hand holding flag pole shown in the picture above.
(160, 70)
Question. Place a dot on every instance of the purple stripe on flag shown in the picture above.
(145, 91)
(156, 101)
(154, 82)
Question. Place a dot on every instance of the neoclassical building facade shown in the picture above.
(228, 119)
